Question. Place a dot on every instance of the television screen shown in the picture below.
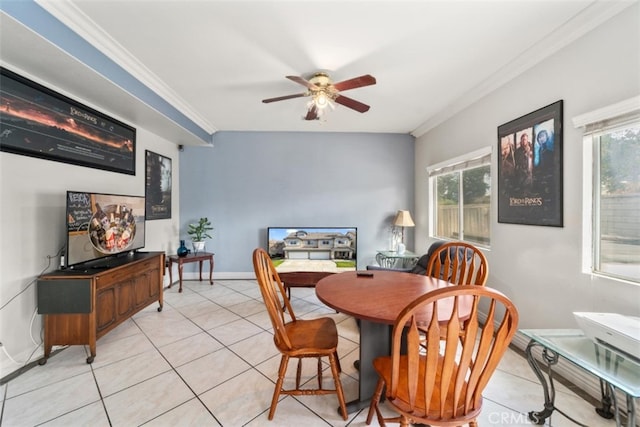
(331, 249)
(102, 225)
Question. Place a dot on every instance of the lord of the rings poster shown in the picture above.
(157, 186)
(530, 168)
(38, 122)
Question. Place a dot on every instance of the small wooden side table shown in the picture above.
(301, 279)
(181, 260)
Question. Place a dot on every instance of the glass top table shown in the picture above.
(615, 368)
(394, 259)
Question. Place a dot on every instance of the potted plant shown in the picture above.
(198, 232)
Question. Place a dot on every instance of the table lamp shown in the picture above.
(403, 219)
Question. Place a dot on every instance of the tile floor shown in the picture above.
(208, 359)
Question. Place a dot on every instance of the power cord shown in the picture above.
(35, 312)
(4, 350)
(49, 258)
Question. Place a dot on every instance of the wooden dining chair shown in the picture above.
(443, 385)
(460, 263)
(297, 338)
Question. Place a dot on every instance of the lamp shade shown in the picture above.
(403, 219)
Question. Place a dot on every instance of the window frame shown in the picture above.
(594, 124)
(475, 159)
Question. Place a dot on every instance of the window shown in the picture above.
(612, 191)
(461, 199)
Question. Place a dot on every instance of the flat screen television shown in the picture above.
(313, 248)
(101, 226)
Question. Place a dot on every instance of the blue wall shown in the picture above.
(252, 180)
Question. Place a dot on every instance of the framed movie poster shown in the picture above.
(530, 168)
(38, 122)
(157, 186)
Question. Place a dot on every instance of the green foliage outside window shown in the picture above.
(474, 211)
(617, 203)
(620, 162)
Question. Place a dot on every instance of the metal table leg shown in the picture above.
(550, 358)
(607, 400)
(631, 407)
(607, 390)
(631, 411)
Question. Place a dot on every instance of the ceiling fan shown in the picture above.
(324, 92)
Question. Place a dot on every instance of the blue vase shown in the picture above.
(182, 250)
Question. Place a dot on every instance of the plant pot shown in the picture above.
(198, 247)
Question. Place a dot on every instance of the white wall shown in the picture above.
(540, 267)
(253, 180)
(32, 229)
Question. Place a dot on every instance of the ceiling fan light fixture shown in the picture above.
(322, 92)
(321, 99)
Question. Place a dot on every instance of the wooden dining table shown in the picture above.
(376, 298)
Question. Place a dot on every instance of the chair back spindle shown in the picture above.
(460, 263)
(274, 296)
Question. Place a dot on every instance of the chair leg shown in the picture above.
(319, 373)
(333, 362)
(375, 399)
(338, 362)
(276, 392)
(298, 373)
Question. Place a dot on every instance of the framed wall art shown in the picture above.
(38, 122)
(530, 168)
(157, 186)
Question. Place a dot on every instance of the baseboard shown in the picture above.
(224, 275)
(10, 370)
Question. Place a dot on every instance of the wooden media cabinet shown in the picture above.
(82, 304)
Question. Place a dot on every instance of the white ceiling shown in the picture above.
(216, 60)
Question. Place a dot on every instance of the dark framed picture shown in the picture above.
(530, 168)
(38, 122)
(157, 186)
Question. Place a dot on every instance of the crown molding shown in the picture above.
(69, 14)
(588, 19)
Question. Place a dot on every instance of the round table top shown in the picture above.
(380, 297)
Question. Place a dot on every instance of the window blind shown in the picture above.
(609, 118)
(466, 164)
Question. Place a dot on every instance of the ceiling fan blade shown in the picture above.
(365, 80)
(352, 103)
(312, 114)
(282, 98)
(303, 82)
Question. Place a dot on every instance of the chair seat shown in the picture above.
(314, 336)
(382, 365)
